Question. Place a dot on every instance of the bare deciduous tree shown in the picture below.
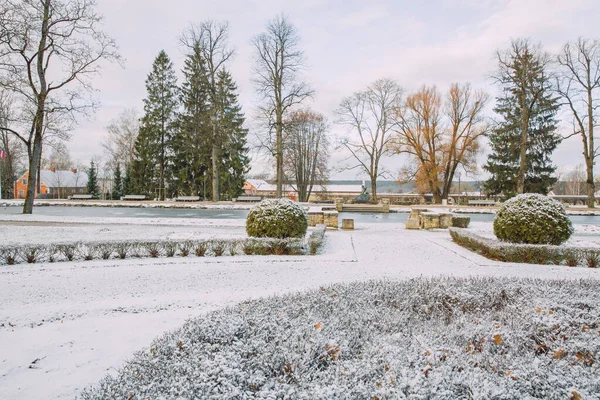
(370, 117)
(12, 165)
(576, 181)
(306, 151)
(579, 86)
(59, 158)
(440, 137)
(48, 51)
(122, 133)
(211, 38)
(278, 62)
(523, 70)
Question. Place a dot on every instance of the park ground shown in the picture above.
(64, 326)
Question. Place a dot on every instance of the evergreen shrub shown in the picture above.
(532, 218)
(277, 218)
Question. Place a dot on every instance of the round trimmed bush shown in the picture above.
(277, 218)
(534, 219)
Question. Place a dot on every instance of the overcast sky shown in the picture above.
(347, 45)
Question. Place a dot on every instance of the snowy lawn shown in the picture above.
(423, 338)
(64, 326)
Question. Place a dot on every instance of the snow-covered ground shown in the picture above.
(64, 326)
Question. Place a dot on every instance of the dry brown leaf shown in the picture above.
(498, 339)
(333, 350)
(575, 396)
(559, 354)
(538, 310)
(318, 326)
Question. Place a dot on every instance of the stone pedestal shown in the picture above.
(430, 220)
(445, 220)
(385, 204)
(413, 223)
(416, 212)
(338, 205)
(348, 223)
(331, 219)
(315, 218)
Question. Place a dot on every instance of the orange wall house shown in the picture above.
(55, 184)
(21, 187)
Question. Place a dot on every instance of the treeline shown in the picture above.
(192, 139)
(442, 135)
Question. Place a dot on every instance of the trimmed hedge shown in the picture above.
(461, 221)
(532, 218)
(277, 218)
(10, 255)
(525, 253)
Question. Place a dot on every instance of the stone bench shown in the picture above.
(187, 198)
(81, 197)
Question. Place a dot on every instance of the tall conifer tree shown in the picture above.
(233, 143)
(157, 127)
(506, 139)
(92, 184)
(191, 145)
(117, 190)
(525, 137)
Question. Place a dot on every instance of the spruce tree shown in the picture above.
(160, 108)
(92, 184)
(505, 141)
(525, 137)
(191, 146)
(143, 176)
(117, 191)
(126, 185)
(234, 163)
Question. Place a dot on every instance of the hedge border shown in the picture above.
(526, 253)
(127, 249)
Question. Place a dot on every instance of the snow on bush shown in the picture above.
(441, 338)
(532, 218)
(277, 218)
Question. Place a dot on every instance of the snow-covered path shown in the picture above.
(63, 326)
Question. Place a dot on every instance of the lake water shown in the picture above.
(130, 212)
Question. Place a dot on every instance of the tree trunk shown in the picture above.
(589, 162)
(215, 174)
(523, 155)
(279, 153)
(373, 190)
(34, 162)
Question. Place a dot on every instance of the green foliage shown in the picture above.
(92, 184)
(233, 152)
(534, 219)
(117, 191)
(277, 218)
(515, 103)
(461, 221)
(191, 146)
(153, 145)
